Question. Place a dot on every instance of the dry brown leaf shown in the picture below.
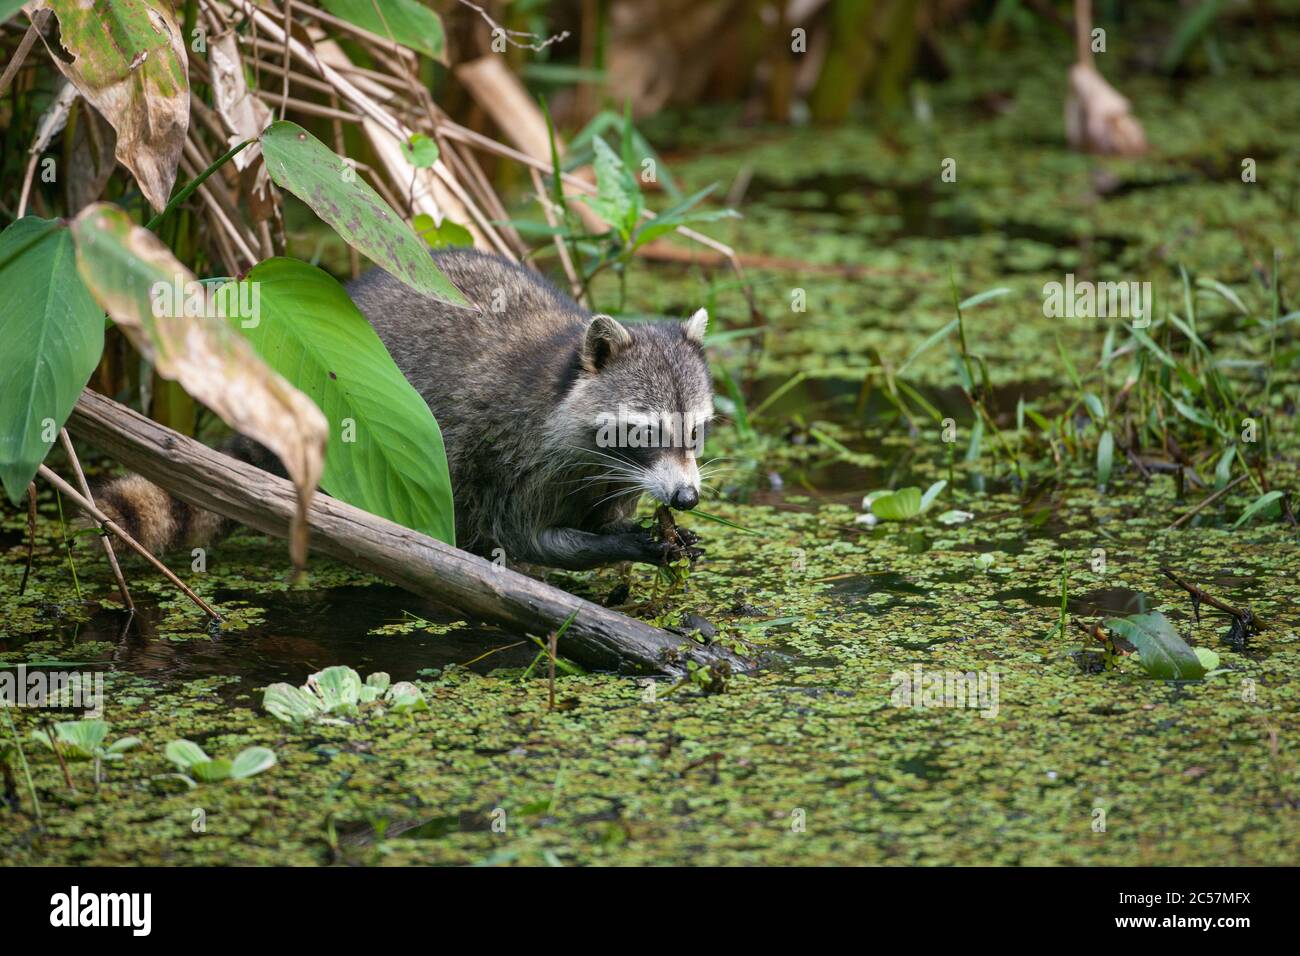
(242, 114)
(93, 156)
(128, 60)
(171, 320)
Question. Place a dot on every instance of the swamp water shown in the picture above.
(812, 758)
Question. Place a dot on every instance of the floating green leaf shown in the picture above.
(905, 503)
(193, 762)
(338, 692)
(1162, 651)
(251, 760)
(84, 739)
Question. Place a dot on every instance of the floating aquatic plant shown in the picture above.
(84, 740)
(195, 765)
(338, 692)
(1161, 649)
(903, 504)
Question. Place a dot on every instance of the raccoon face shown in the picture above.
(644, 401)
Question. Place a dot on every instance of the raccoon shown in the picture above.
(555, 421)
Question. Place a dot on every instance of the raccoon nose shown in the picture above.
(685, 498)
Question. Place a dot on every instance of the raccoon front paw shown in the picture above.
(644, 547)
(652, 549)
(689, 538)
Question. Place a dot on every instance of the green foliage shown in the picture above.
(1161, 649)
(84, 740)
(420, 151)
(323, 180)
(1193, 27)
(53, 334)
(620, 203)
(905, 503)
(338, 692)
(582, 148)
(385, 453)
(408, 22)
(441, 237)
(1258, 506)
(195, 765)
(618, 199)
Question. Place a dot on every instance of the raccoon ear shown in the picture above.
(696, 326)
(604, 339)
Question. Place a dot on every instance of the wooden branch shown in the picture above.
(1206, 502)
(103, 538)
(16, 61)
(598, 637)
(1244, 616)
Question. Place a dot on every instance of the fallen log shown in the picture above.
(467, 584)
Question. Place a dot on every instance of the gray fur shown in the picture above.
(518, 387)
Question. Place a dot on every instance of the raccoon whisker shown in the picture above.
(710, 471)
(640, 487)
(628, 479)
(598, 454)
(603, 470)
(607, 469)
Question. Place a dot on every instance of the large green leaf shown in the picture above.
(9, 7)
(1161, 649)
(385, 452)
(170, 319)
(51, 333)
(905, 503)
(319, 177)
(408, 22)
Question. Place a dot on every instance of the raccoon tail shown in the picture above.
(160, 522)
